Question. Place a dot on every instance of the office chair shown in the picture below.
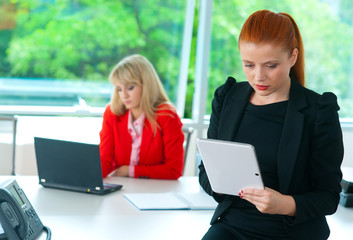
(12, 119)
(187, 134)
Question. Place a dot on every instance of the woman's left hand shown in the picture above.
(122, 171)
(270, 201)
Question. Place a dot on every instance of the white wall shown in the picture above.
(5, 157)
(86, 129)
(6, 139)
(348, 146)
(80, 129)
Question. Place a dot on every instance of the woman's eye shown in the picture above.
(248, 65)
(130, 87)
(272, 66)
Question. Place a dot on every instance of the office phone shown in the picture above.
(18, 219)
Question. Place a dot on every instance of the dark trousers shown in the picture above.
(221, 231)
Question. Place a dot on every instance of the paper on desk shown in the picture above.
(171, 201)
(200, 200)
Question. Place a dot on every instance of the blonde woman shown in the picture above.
(141, 136)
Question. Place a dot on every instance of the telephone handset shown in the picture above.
(18, 218)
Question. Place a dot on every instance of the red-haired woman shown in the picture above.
(296, 134)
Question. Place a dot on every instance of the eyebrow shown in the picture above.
(267, 62)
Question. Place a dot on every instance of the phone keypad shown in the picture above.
(31, 213)
(35, 224)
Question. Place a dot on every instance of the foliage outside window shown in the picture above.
(327, 32)
(60, 52)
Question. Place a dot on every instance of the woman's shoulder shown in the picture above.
(109, 114)
(231, 84)
(314, 98)
(321, 100)
(327, 102)
(231, 87)
(166, 108)
(166, 112)
(324, 106)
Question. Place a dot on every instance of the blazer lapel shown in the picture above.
(291, 135)
(147, 136)
(232, 112)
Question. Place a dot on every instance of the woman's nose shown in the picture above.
(125, 93)
(259, 74)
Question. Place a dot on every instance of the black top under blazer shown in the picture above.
(309, 156)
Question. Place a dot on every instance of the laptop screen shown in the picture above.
(68, 164)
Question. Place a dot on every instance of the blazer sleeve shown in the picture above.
(217, 105)
(325, 158)
(106, 146)
(170, 128)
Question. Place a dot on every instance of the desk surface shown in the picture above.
(72, 215)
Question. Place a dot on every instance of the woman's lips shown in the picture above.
(261, 87)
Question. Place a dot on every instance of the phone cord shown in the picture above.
(47, 229)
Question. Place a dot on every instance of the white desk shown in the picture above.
(341, 224)
(72, 215)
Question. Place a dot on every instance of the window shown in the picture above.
(327, 31)
(60, 53)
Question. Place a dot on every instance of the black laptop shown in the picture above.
(71, 166)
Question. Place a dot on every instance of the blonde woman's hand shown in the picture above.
(122, 171)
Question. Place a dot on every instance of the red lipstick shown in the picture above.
(261, 87)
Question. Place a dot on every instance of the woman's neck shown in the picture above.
(135, 113)
(280, 95)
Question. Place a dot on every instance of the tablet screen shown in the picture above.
(230, 166)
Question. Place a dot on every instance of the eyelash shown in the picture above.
(272, 66)
(129, 88)
(268, 66)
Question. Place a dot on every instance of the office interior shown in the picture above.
(197, 46)
(82, 122)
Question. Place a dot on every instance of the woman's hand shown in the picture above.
(270, 201)
(122, 171)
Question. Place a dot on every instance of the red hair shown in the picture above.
(266, 27)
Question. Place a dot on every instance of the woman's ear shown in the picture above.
(294, 56)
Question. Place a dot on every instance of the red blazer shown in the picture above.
(161, 154)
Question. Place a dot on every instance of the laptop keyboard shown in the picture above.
(108, 185)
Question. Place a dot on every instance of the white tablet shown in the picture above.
(230, 166)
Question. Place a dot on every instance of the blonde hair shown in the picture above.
(137, 70)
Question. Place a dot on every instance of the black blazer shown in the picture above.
(309, 156)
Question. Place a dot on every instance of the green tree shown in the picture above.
(84, 39)
(326, 40)
(81, 40)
